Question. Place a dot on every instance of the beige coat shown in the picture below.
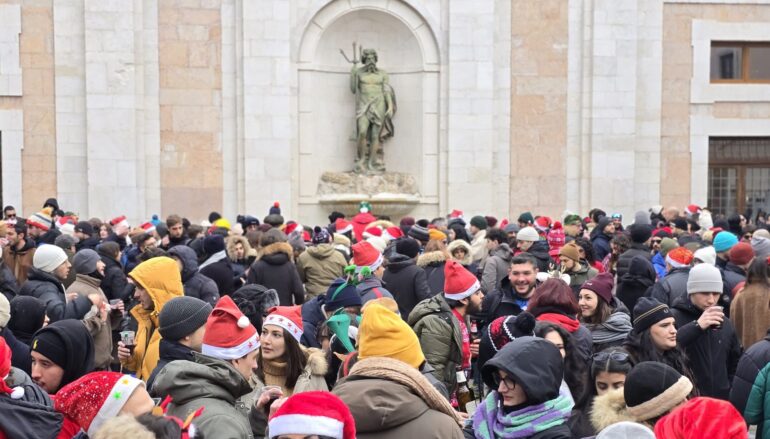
(100, 330)
(312, 378)
(318, 266)
(750, 313)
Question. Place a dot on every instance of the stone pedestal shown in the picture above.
(390, 193)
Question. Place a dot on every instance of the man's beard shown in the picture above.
(370, 66)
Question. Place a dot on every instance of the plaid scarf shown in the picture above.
(491, 422)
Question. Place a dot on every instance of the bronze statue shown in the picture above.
(375, 107)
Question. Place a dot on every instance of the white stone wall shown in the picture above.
(10, 67)
(12, 132)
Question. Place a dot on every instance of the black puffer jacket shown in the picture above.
(433, 263)
(8, 285)
(539, 251)
(639, 278)
(195, 284)
(115, 285)
(600, 240)
(502, 302)
(90, 242)
(50, 290)
(276, 270)
(713, 354)
(624, 260)
(756, 358)
(672, 287)
(407, 282)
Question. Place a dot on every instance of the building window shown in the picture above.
(740, 62)
(739, 175)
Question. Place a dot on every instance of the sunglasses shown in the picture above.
(657, 241)
(509, 383)
(618, 357)
(747, 236)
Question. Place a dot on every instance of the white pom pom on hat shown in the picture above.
(243, 322)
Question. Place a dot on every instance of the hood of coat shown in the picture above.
(42, 276)
(189, 260)
(540, 250)
(503, 251)
(277, 253)
(204, 377)
(540, 379)
(609, 409)
(398, 262)
(434, 305)
(321, 251)
(316, 361)
(235, 239)
(378, 404)
(684, 305)
(88, 280)
(461, 243)
(640, 268)
(598, 231)
(435, 258)
(161, 278)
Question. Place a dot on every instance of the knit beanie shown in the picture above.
(5, 310)
(761, 246)
(306, 414)
(706, 254)
(652, 388)
(640, 233)
(724, 241)
(528, 234)
(340, 295)
(68, 344)
(702, 417)
(479, 222)
(85, 228)
(42, 220)
(571, 219)
(526, 218)
(704, 278)
(436, 235)
(571, 251)
(602, 285)
(408, 247)
(626, 430)
(419, 233)
(502, 331)
(741, 253)
(48, 258)
(647, 312)
(382, 333)
(511, 228)
(321, 236)
(213, 243)
(556, 237)
(85, 261)
(666, 245)
(181, 316)
(642, 217)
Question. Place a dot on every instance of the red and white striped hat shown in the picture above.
(148, 227)
(313, 413)
(288, 318)
(459, 283)
(229, 334)
(119, 221)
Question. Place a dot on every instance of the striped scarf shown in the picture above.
(490, 422)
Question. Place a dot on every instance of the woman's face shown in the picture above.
(663, 334)
(103, 233)
(239, 251)
(451, 234)
(555, 338)
(272, 343)
(587, 301)
(459, 254)
(606, 381)
(510, 392)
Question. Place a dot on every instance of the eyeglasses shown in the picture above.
(618, 357)
(657, 241)
(509, 383)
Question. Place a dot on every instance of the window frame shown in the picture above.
(740, 165)
(745, 47)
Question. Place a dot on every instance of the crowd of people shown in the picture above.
(373, 327)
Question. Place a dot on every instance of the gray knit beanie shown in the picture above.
(704, 278)
(85, 261)
(181, 316)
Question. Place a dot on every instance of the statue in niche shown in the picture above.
(375, 107)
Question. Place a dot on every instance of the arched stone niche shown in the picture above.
(407, 50)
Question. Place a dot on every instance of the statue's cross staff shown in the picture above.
(359, 54)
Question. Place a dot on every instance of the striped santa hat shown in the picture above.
(229, 334)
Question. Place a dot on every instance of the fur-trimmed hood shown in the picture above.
(609, 409)
(277, 253)
(461, 243)
(316, 362)
(435, 257)
(235, 239)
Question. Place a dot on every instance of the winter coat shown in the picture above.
(160, 277)
(211, 383)
(8, 285)
(318, 266)
(311, 379)
(671, 287)
(32, 392)
(28, 420)
(496, 267)
(479, 250)
(221, 273)
(19, 261)
(312, 317)
(609, 409)
(614, 330)
(115, 285)
(275, 270)
(91, 242)
(713, 354)
(100, 331)
(173, 242)
(624, 260)
(239, 266)
(20, 357)
(371, 288)
(639, 278)
(433, 263)
(196, 284)
(46, 287)
(581, 276)
(750, 313)
(440, 338)
(47, 238)
(503, 301)
(750, 393)
(169, 351)
(659, 263)
(407, 282)
(131, 256)
(601, 243)
(385, 409)
(539, 251)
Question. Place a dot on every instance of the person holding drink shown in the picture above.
(704, 332)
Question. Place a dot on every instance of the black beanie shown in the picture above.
(213, 243)
(408, 247)
(653, 388)
(647, 312)
(181, 316)
(640, 233)
(68, 344)
(27, 316)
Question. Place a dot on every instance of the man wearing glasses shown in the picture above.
(9, 214)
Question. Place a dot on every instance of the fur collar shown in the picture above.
(316, 361)
(609, 409)
(460, 243)
(426, 259)
(277, 247)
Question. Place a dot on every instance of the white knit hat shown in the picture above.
(704, 278)
(528, 234)
(707, 255)
(48, 257)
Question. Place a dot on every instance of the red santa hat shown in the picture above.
(692, 209)
(288, 318)
(5, 370)
(679, 257)
(119, 222)
(459, 283)
(292, 226)
(229, 334)
(148, 227)
(313, 413)
(393, 232)
(373, 231)
(542, 224)
(341, 225)
(95, 398)
(456, 213)
(365, 255)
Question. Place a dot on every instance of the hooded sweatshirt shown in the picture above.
(195, 283)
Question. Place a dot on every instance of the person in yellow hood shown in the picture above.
(157, 281)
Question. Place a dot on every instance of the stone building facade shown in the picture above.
(185, 106)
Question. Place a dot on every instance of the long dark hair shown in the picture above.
(602, 312)
(293, 356)
(758, 273)
(588, 250)
(641, 348)
(575, 370)
(609, 364)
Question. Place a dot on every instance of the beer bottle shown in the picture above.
(464, 393)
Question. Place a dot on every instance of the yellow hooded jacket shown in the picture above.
(161, 278)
